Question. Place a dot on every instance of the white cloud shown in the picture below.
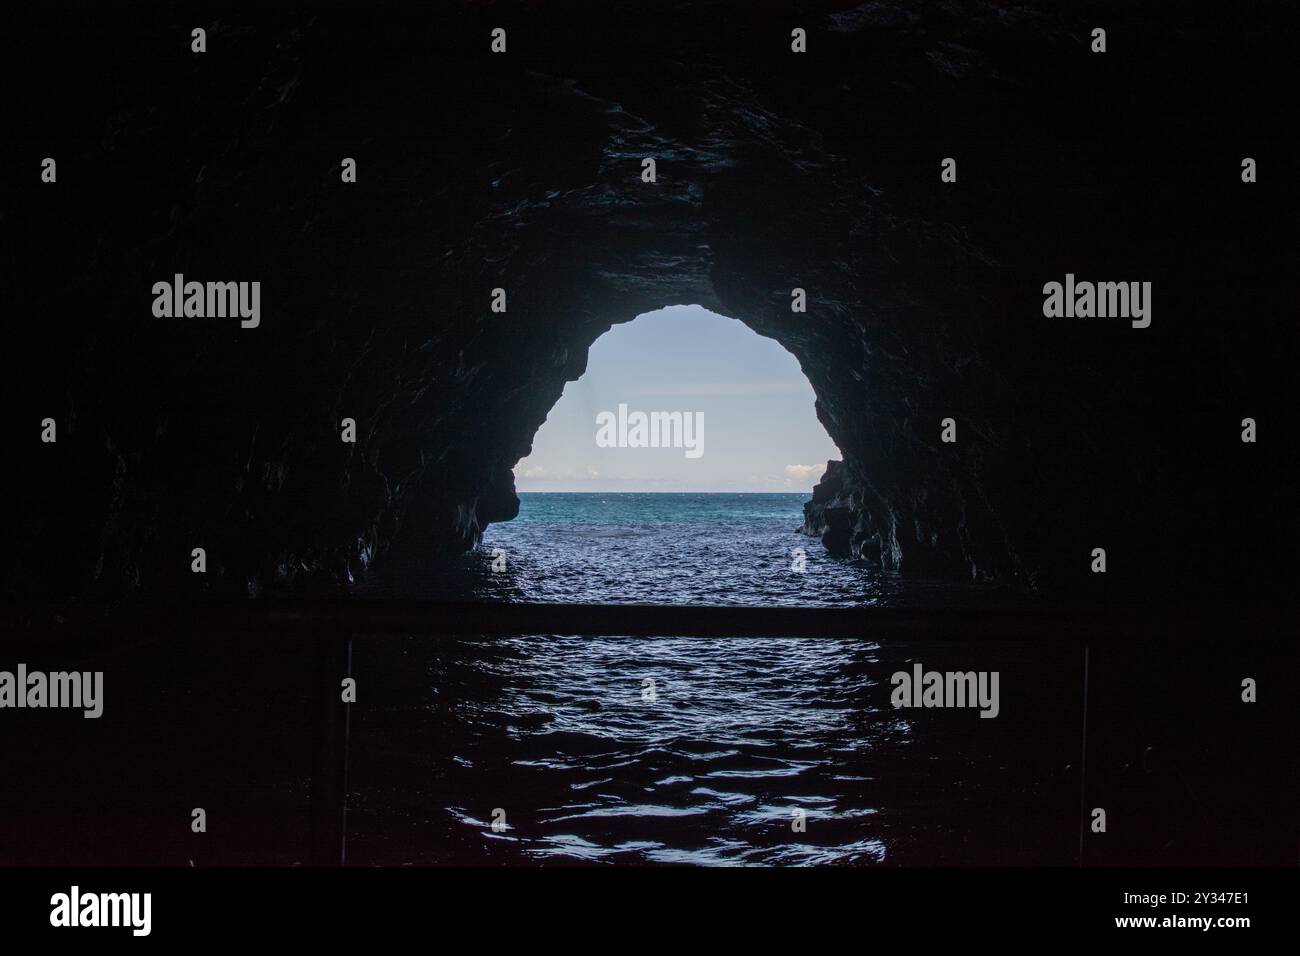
(539, 473)
(725, 388)
(804, 472)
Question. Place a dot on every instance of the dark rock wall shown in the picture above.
(522, 171)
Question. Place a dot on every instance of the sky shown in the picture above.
(760, 432)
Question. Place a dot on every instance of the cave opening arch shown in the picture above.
(681, 420)
(736, 404)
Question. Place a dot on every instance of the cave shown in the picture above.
(775, 171)
(290, 307)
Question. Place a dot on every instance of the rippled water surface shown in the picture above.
(664, 549)
(666, 750)
(673, 750)
(678, 750)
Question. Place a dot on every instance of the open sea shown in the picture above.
(665, 548)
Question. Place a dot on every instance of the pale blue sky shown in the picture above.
(760, 430)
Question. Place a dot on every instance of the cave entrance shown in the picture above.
(674, 470)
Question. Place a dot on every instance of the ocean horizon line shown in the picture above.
(660, 492)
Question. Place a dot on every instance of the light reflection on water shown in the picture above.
(741, 732)
(739, 735)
